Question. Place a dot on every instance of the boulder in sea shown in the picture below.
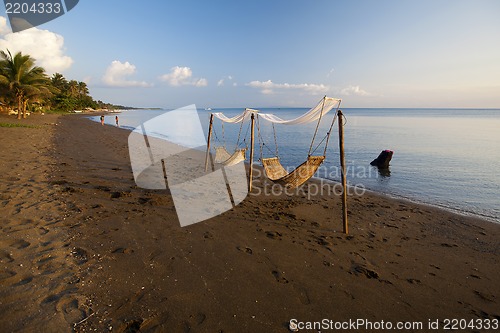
(383, 159)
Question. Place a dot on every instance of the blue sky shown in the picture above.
(275, 53)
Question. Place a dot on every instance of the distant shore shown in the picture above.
(83, 248)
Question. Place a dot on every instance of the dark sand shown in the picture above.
(83, 248)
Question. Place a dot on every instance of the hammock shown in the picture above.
(272, 166)
(277, 173)
(222, 156)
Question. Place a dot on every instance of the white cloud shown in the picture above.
(117, 73)
(220, 83)
(45, 46)
(4, 29)
(268, 87)
(354, 90)
(201, 83)
(181, 76)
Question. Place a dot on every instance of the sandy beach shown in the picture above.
(83, 249)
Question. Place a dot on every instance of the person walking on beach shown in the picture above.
(116, 120)
(102, 120)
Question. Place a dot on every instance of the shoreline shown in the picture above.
(121, 260)
(449, 209)
(418, 201)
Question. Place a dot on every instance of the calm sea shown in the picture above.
(443, 157)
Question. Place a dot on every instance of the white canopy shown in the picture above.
(325, 105)
(236, 119)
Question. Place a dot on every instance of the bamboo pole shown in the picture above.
(208, 141)
(342, 167)
(250, 174)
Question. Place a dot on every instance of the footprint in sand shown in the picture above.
(274, 235)
(20, 244)
(200, 318)
(102, 188)
(52, 298)
(71, 307)
(43, 231)
(303, 295)
(45, 259)
(448, 245)
(485, 297)
(80, 255)
(358, 269)
(245, 249)
(278, 276)
(6, 274)
(132, 326)
(143, 201)
(23, 281)
(122, 250)
(5, 256)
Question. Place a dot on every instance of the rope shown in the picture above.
(223, 135)
(275, 141)
(319, 144)
(239, 135)
(330, 130)
(259, 137)
(215, 134)
(326, 137)
(246, 135)
(262, 144)
(317, 127)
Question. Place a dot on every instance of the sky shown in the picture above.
(273, 53)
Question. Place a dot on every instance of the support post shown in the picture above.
(252, 135)
(343, 173)
(208, 141)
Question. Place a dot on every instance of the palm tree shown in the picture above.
(23, 79)
(73, 88)
(83, 90)
(59, 82)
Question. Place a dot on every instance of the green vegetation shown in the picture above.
(70, 95)
(25, 87)
(17, 125)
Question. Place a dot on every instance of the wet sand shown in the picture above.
(83, 248)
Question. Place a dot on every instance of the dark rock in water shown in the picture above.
(383, 159)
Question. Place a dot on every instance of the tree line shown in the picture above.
(26, 87)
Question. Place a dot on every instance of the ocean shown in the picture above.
(442, 157)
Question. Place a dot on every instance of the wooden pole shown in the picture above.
(250, 174)
(342, 167)
(208, 141)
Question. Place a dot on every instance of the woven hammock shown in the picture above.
(222, 156)
(277, 173)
